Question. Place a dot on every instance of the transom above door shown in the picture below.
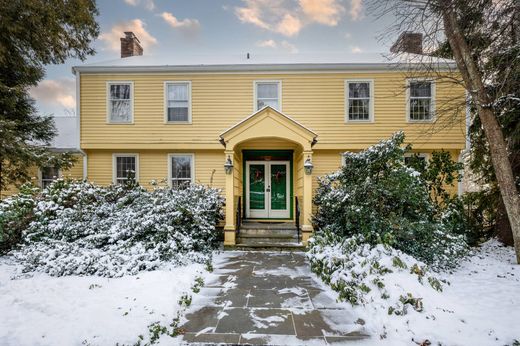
(268, 189)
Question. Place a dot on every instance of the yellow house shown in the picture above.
(260, 128)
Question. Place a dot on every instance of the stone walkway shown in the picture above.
(267, 298)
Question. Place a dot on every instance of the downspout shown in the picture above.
(78, 124)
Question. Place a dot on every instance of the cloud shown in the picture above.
(348, 35)
(289, 47)
(56, 93)
(267, 43)
(356, 8)
(283, 45)
(137, 26)
(188, 25)
(289, 25)
(356, 49)
(283, 17)
(148, 4)
(327, 12)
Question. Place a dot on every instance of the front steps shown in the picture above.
(268, 236)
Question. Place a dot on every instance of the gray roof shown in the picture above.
(266, 62)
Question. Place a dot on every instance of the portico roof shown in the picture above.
(265, 123)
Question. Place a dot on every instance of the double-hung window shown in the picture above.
(125, 166)
(181, 170)
(120, 105)
(267, 94)
(48, 175)
(178, 102)
(360, 100)
(420, 100)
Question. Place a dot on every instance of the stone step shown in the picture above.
(256, 239)
(275, 233)
(269, 246)
(250, 225)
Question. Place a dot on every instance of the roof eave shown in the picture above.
(442, 66)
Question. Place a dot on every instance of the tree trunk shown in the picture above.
(497, 145)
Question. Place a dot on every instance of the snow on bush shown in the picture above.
(358, 272)
(377, 196)
(78, 228)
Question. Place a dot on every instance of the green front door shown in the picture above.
(268, 189)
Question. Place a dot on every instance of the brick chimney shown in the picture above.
(130, 45)
(408, 42)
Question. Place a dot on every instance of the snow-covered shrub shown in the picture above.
(80, 228)
(364, 273)
(16, 212)
(377, 196)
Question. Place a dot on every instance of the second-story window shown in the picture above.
(359, 100)
(267, 94)
(420, 101)
(120, 102)
(178, 108)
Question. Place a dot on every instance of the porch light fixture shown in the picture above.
(228, 166)
(308, 166)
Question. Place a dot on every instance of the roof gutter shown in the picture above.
(441, 66)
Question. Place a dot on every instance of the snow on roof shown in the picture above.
(253, 61)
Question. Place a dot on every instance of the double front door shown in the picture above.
(268, 189)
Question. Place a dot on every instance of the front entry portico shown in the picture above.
(268, 151)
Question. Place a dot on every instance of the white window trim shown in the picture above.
(192, 170)
(108, 108)
(259, 81)
(114, 165)
(432, 104)
(371, 116)
(166, 101)
(40, 176)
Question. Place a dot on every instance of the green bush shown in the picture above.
(377, 196)
(16, 212)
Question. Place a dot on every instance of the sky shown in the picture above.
(166, 27)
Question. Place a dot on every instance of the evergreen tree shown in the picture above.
(35, 33)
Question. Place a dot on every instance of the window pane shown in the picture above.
(120, 111)
(50, 173)
(124, 166)
(359, 90)
(267, 90)
(358, 109)
(263, 103)
(178, 92)
(181, 167)
(178, 114)
(420, 89)
(120, 91)
(420, 109)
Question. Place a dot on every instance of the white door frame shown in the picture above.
(267, 213)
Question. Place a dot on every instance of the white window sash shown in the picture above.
(410, 98)
(115, 178)
(171, 178)
(278, 99)
(167, 101)
(110, 101)
(370, 99)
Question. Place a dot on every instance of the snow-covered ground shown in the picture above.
(481, 306)
(45, 310)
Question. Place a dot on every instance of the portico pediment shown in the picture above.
(266, 123)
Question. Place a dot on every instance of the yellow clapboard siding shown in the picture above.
(153, 166)
(316, 100)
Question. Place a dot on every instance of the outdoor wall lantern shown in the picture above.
(228, 166)
(308, 166)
